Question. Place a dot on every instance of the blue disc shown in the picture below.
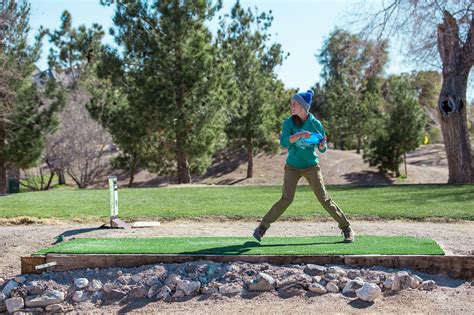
(315, 138)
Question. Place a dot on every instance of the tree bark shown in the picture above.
(133, 169)
(3, 177)
(61, 177)
(457, 62)
(249, 158)
(359, 144)
(405, 161)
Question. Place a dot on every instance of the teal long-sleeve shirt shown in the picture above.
(301, 154)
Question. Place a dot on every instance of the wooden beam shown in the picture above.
(29, 263)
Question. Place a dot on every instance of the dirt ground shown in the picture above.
(452, 296)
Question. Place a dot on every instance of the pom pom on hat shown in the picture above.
(304, 99)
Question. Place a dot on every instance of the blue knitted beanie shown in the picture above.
(304, 99)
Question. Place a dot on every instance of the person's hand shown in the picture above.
(322, 144)
(305, 135)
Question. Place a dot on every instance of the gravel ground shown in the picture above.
(452, 296)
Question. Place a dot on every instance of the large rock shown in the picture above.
(263, 282)
(300, 278)
(172, 281)
(3, 307)
(153, 280)
(7, 289)
(94, 286)
(137, 278)
(427, 285)
(138, 292)
(108, 287)
(35, 288)
(230, 288)
(337, 270)
(332, 287)
(352, 286)
(116, 295)
(387, 284)
(291, 291)
(79, 296)
(81, 283)
(163, 293)
(317, 288)
(314, 270)
(401, 281)
(14, 304)
(48, 298)
(368, 292)
(188, 287)
(54, 308)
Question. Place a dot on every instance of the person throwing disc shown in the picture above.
(298, 135)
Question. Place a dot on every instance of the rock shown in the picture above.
(231, 288)
(20, 279)
(81, 283)
(352, 274)
(14, 304)
(317, 288)
(330, 276)
(352, 286)
(178, 294)
(317, 278)
(291, 291)
(159, 271)
(164, 293)
(54, 308)
(332, 287)
(116, 295)
(2, 281)
(402, 280)
(209, 290)
(35, 288)
(314, 270)
(139, 292)
(48, 298)
(79, 296)
(108, 287)
(9, 287)
(368, 292)
(172, 281)
(342, 282)
(137, 278)
(94, 285)
(387, 284)
(123, 279)
(152, 291)
(301, 279)
(154, 280)
(263, 282)
(19, 291)
(427, 285)
(415, 281)
(188, 287)
(3, 307)
(337, 271)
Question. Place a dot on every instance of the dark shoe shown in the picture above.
(349, 235)
(259, 232)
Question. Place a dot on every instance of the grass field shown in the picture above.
(320, 245)
(387, 202)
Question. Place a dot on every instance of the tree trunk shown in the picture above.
(457, 62)
(250, 158)
(183, 168)
(3, 178)
(61, 178)
(13, 179)
(359, 144)
(405, 161)
(133, 169)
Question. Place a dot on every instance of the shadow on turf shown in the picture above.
(74, 232)
(247, 246)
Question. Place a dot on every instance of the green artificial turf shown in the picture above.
(386, 202)
(320, 245)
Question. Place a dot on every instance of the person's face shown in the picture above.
(297, 109)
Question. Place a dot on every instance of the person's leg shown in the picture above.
(291, 177)
(315, 180)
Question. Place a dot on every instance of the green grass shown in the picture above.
(320, 245)
(387, 202)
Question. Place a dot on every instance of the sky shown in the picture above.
(300, 26)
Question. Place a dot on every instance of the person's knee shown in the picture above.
(286, 200)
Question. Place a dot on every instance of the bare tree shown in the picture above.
(79, 145)
(437, 33)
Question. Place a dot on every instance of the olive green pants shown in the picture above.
(315, 179)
